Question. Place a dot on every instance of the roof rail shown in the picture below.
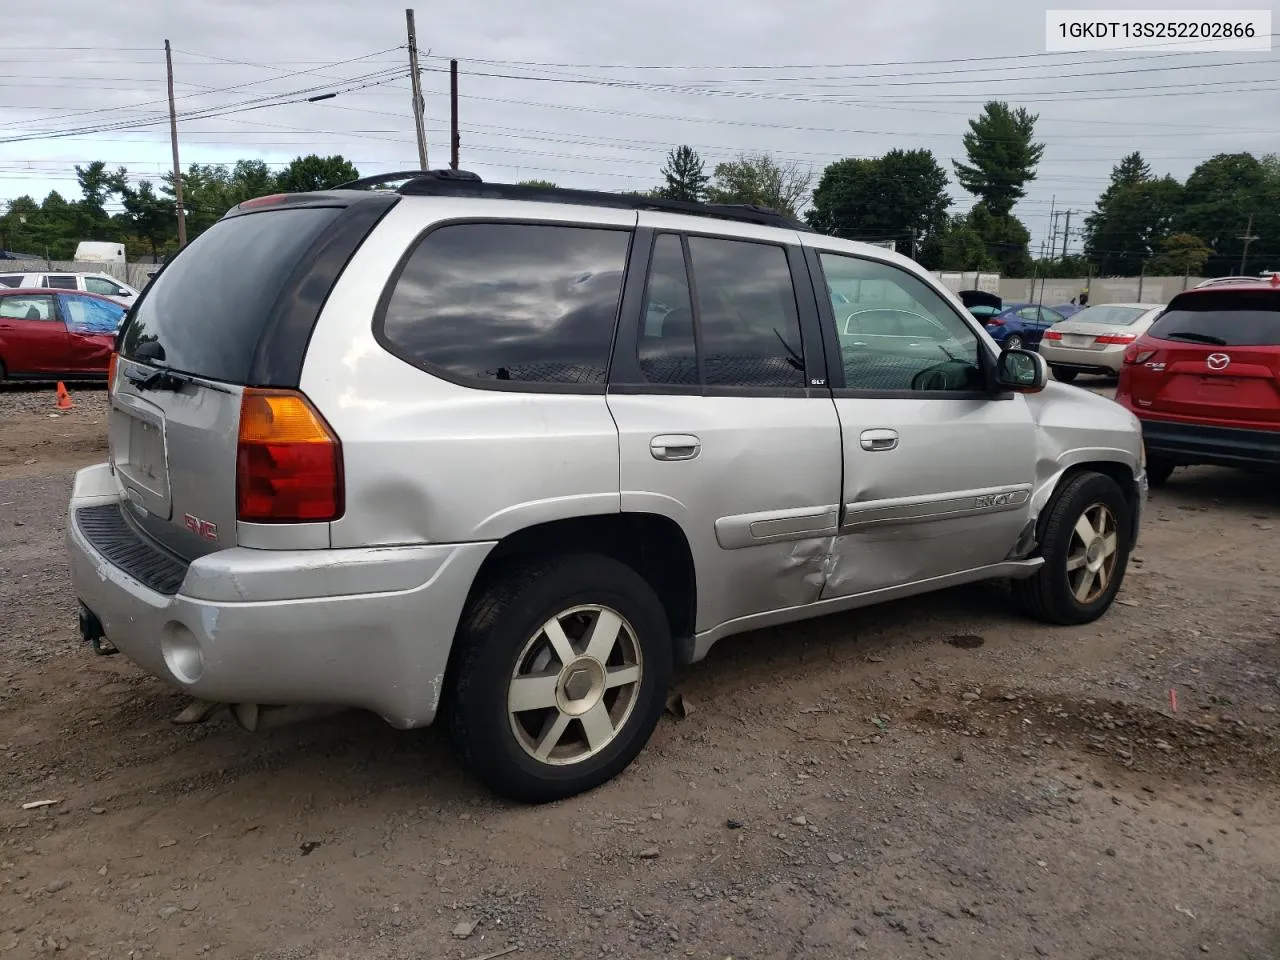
(364, 183)
(463, 183)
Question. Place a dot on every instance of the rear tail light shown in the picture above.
(111, 372)
(995, 322)
(1137, 353)
(1052, 335)
(288, 461)
(1116, 338)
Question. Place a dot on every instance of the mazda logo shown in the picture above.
(1217, 361)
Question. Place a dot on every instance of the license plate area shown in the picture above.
(138, 451)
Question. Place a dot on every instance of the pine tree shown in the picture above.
(686, 179)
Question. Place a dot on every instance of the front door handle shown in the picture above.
(876, 440)
(675, 446)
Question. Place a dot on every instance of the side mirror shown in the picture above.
(1022, 371)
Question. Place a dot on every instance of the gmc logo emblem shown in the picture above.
(201, 528)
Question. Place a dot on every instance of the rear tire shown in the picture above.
(1086, 540)
(1065, 375)
(1013, 342)
(1158, 471)
(562, 674)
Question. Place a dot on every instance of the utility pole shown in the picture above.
(1066, 235)
(1248, 238)
(173, 138)
(454, 139)
(1053, 225)
(914, 239)
(419, 105)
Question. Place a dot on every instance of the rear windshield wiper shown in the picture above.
(1196, 337)
(158, 380)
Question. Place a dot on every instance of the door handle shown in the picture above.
(882, 439)
(675, 446)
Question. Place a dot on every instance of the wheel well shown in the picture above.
(1118, 472)
(652, 545)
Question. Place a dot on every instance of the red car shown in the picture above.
(1205, 379)
(56, 334)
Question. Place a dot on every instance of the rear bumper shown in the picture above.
(1192, 443)
(368, 628)
(1085, 361)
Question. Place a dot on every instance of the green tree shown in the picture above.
(1003, 156)
(249, 179)
(1217, 201)
(684, 175)
(956, 245)
(1005, 238)
(1181, 254)
(1133, 216)
(892, 197)
(314, 172)
(149, 217)
(759, 179)
(97, 186)
(544, 184)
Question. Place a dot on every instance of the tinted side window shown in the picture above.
(10, 281)
(747, 315)
(896, 332)
(666, 347)
(59, 283)
(498, 302)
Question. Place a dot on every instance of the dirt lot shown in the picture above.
(936, 778)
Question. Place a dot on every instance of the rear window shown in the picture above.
(206, 312)
(1224, 318)
(1112, 316)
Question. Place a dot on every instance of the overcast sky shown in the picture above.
(556, 90)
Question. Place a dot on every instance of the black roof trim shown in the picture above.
(463, 183)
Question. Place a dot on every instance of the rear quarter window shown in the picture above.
(206, 312)
(1228, 318)
(492, 304)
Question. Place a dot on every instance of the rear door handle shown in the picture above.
(675, 446)
(881, 439)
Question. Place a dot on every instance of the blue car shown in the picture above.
(1021, 325)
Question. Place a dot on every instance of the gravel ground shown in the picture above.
(934, 778)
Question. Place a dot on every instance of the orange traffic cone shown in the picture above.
(64, 398)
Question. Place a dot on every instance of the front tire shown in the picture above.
(1065, 375)
(1085, 543)
(561, 678)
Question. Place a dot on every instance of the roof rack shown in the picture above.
(463, 183)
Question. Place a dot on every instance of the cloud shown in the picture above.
(539, 99)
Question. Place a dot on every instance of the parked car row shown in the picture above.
(1201, 373)
(96, 283)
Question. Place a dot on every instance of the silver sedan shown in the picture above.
(1095, 339)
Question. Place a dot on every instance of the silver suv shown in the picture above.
(505, 455)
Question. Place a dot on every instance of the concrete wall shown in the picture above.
(134, 274)
(1109, 290)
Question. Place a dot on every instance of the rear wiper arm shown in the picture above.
(158, 380)
(1196, 338)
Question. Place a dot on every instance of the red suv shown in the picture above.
(56, 334)
(1205, 379)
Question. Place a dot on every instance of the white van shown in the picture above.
(100, 252)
